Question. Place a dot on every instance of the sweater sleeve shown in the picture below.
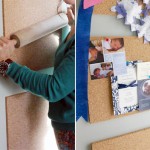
(51, 87)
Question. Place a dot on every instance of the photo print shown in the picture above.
(143, 75)
(101, 70)
(114, 51)
(95, 52)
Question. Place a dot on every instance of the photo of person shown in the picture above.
(146, 88)
(144, 94)
(95, 56)
(101, 70)
(99, 47)
(112, 45)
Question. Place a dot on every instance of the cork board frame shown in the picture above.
(104, 7)
(133, 141)
(99, 91)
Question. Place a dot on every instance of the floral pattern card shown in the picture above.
(143, 75)
(124, 90)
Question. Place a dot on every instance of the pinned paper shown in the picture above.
(89, 3)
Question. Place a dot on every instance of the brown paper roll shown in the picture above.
(39, 30)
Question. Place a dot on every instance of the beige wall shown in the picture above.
(27, 114)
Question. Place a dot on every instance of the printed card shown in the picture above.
(124, 90)
(143, 74)
(114, 51)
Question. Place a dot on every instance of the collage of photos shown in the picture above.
(108, 51)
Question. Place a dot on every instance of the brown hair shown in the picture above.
(96, 70)
(121, 41)
(103, 65)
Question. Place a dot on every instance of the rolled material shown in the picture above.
(39, 30)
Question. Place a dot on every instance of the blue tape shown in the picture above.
(82, 46)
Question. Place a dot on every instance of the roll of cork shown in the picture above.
(39, 30)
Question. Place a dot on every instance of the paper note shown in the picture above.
(89, 3)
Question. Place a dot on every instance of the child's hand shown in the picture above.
(7, 47)
(71, 15)
(102, 76)
(111, 73)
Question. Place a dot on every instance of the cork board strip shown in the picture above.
(27, 122)
(104, 7)
(99, 91)
(134, 141)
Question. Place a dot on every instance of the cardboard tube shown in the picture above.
(39, 30)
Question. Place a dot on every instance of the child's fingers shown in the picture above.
(2, 44)
(5, 40)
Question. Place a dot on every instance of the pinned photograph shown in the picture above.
(144, 94)
(101, 70)
(95, 52)
(114, 51)
(113, 45)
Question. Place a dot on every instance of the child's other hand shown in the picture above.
(7, 47)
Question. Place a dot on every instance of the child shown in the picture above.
(106, 69)
(58, 89)
(97, 74)
(147, 88)
(108, 66)
(92, 54)
(95, 56)
(113, 44)
(110, 45)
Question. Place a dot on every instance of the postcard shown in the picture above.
(124, 90)
(143, 70)
(114, 51)
(101, 70)
(143, 76)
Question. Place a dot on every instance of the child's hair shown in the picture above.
(103, 65)
(96, 69)
(91, 45)
(121, 41)
(108, 64)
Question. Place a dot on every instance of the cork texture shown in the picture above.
(104, 7)
(18, 14)
(133, 141)
(27, 122)
(99, 91)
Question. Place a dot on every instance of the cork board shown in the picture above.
(99, 91)
(133, 141)
(18, 14)
(104, 7)
(27, 122)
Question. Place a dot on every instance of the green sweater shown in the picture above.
(58, 89)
